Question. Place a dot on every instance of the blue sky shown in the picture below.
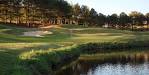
(115, 6)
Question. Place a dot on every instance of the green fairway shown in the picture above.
(73, 35)
(12, 43)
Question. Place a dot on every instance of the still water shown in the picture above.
(133, 64)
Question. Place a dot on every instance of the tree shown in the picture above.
(124, 20)
(101, 19)
(47, 9)
(137, 18)
(114, 20)
(147, 19)
(76, 12)
(4, 10)
(65, 8)
(108, 22)
(85, 14)
(93, 17)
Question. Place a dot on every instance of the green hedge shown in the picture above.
(109, 46)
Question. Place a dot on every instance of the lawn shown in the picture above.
(12, 43)
(73, 35)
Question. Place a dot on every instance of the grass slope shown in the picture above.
(75, 35)
(12, 44)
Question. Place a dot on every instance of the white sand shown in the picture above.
(37, 33)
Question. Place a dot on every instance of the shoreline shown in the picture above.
(43, 61)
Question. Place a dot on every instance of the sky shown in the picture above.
(109, 7)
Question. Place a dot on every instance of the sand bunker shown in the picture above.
(37, 33)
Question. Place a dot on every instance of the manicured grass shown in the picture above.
(9, 53)
(13, 44)
(76, 35)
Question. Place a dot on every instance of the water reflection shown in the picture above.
(136, 64)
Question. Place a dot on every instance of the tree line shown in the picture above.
(40, 12)
(133, 20)
(33, 12)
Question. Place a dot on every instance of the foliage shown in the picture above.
(36, 13)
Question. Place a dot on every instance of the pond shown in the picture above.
(112, 64)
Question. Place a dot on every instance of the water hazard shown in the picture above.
(121, 64)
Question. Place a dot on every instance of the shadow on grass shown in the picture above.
(9, 61)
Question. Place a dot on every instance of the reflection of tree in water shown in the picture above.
(83, 67)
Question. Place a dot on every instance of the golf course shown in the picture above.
(74, 37)
(15, 46)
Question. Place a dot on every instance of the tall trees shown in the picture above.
(76, 10)
(32, 11)
(147, 19)
(93, 17)
(65, 8)
(137, 18)
(114, 20)
(101, 19)
(42, 12)
(4, 10)
(84, 14)
(124, 20)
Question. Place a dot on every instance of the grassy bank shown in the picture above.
(10, 52)
(15, 49)
(46, 62)
(117, 54)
